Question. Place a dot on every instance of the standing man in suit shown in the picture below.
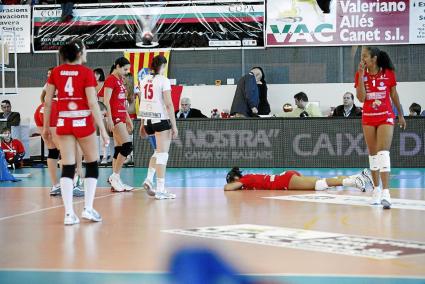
(186, 111)
(246, 100)
(13, 118)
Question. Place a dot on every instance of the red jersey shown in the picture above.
(101, 92)
(71, 82)
(39, 114)
(267, 182)
(12, 148)
(377, 105)
(118, 97)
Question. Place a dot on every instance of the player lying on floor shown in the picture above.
(293, 180)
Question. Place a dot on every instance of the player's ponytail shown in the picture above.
(384, 61)
(69, 52)
(157, 63)
(120, 62)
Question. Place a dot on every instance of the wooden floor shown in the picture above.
(130, 244)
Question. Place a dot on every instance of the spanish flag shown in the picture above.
(141, 62)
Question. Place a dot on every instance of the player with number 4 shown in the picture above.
(156, 112)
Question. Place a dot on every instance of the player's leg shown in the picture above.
(67, 144)
(370, 135)
(384, 140)
(125, 148)
(90, 150)
(78, 184)
(315, 183)
(148, 183)
(52, 160)
(163, 140)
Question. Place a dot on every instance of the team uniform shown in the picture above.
(74, 114)
(12, 150)
(118, 98)
(267, 182)
(39, 114)
(377, 108)
(152, 107)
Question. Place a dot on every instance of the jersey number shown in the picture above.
(148, 92)
(374, 82)
(68, 87)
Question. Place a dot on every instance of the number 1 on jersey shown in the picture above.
(69, 87)
(148, 92)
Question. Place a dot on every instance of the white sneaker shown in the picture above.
(116, 184)
(386, 199)
(148, 186)
(71, 219)
(360, 183)
(92, 215)
(104, 162)
(126, 186)
(367, 177)
(376, 197)
(164, 195)
(55, 190)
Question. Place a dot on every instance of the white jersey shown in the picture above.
(152, 104)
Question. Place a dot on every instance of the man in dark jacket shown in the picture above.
(263, 105)
(246, 99)
(12, 118)
(348, 108)
(186, 111)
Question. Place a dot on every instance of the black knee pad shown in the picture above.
(68, 171)
(126, 149)
(117, 151)
(92, 170)
(53, 154)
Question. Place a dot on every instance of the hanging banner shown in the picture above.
(344, 22)
(15, 26)
(153, 25)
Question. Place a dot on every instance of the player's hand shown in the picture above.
(174, 132)
(142, 131)
(105, 137)
(402, 122)
(46, 134)
(254, 110)
(110, 124)
(130, 126)
(361, 68)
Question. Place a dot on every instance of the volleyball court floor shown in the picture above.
(302, 239)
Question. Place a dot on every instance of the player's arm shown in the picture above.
(236, 185)
(360, 87)
(106, 100)
(94, 107)
(396, 100)
(50, 91)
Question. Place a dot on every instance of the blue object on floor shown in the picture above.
(5, 174)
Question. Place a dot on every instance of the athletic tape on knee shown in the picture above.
(117, 151)
(373, 163)
(162, 158)
(68, 171)
(152, 141)
(92, 170)
(126, 149)
(384, 161)
(321, 184)
(53, 154)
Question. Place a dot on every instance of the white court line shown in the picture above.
(49, 208)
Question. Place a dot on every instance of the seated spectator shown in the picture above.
(13, 118)
(348, 108)
(415, 110)
(13, 149)
(304, 108)
(186, 111)
(215, 113)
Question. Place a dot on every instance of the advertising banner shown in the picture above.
(344, 22)
(15, 25)
(282, 143)
(182, 24)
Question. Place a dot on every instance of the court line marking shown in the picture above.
(247, 274)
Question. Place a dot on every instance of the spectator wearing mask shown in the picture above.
(348, 108)
(304, 107)
(186, 111)
(263, 105)
(246, 100)
(415, 110)
(13, 118)
(13, 149)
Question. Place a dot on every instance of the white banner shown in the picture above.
(15, 26)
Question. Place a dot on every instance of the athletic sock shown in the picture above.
(67, 186)
(90, 191)
(151, 174)
(160, 184)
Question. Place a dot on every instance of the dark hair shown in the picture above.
(69, 52)
(5, 102)
(51, 68)
(301, 96)
(5, 129)
(352, 96)
(383, 59)
(101, 74)
(415, 108)
(121, 62)
(234, 172)
(157, 62)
